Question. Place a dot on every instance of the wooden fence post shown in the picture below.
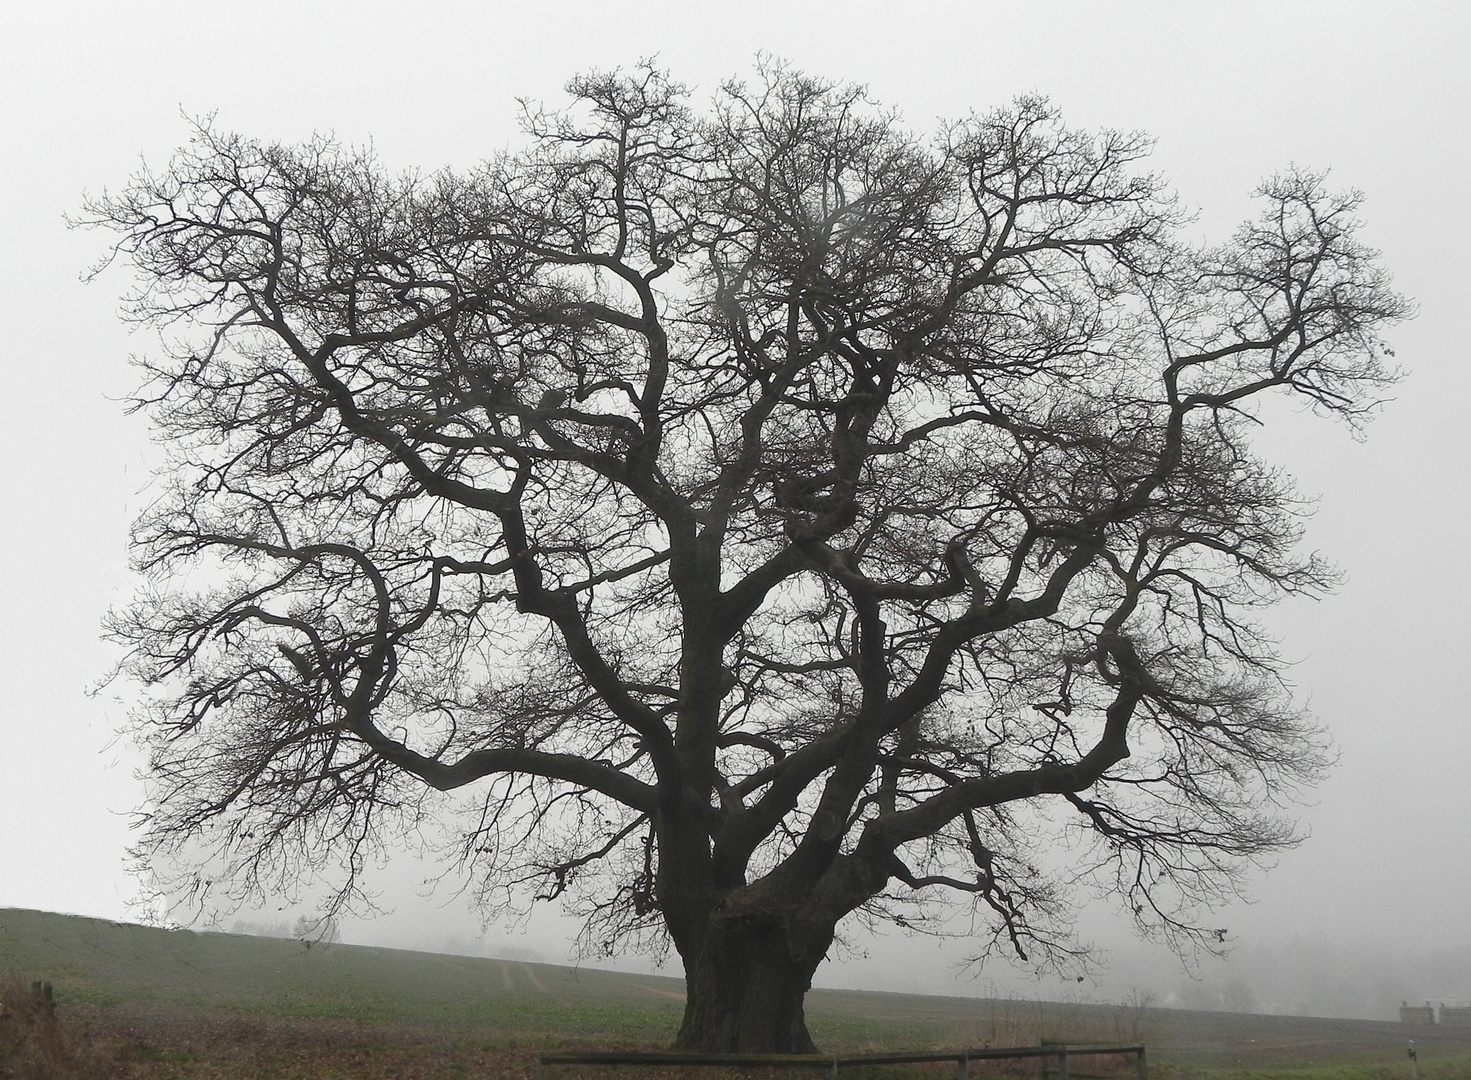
(41, 991)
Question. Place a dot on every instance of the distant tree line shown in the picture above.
(305, 928)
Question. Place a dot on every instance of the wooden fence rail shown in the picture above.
(832, 1063)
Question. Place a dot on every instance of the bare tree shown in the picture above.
(760, 519)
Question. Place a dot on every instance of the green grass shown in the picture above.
(117, 969)
(111, 964)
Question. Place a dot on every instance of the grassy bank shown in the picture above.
(187, 1004)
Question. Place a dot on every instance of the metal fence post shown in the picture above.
(962, 1067)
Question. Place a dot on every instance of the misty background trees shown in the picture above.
(770, 518)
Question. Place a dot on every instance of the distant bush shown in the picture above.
(316, 931)
(308, 929)
(278, 929)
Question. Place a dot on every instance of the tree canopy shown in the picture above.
(732, 522)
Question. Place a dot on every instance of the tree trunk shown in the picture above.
(744, 990)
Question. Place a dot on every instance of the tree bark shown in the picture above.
(744, 990)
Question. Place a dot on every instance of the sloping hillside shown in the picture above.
(120, 968)
(123, 964)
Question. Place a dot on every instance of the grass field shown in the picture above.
(136, 1001)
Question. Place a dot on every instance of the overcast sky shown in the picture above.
(1375, 91)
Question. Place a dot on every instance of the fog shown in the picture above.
(1301, 970)
(1372, 909)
